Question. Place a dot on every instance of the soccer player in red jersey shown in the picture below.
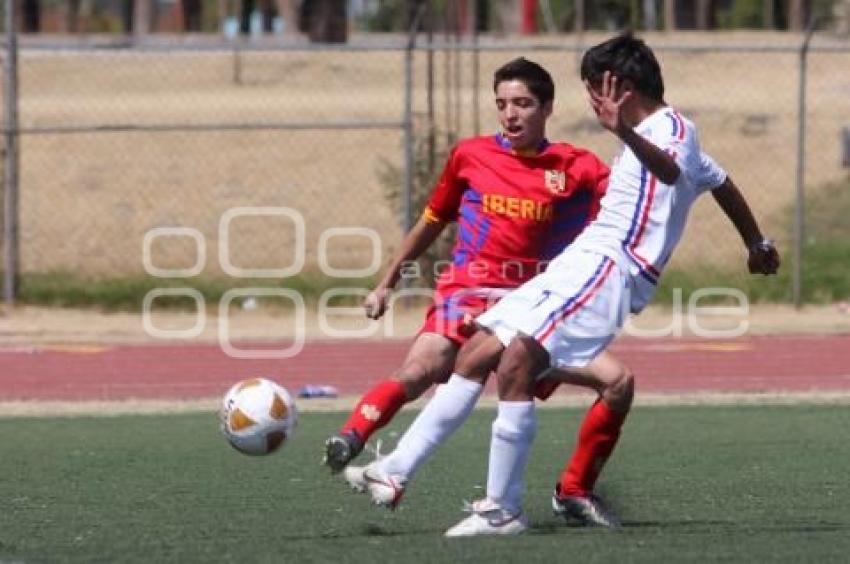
(566, 317)
(518, 200)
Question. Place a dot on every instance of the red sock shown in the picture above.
(596, 440)
(376, 408)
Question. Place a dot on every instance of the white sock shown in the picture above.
(513, 433)
(447, 410)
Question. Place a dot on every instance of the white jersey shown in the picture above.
(641, 219)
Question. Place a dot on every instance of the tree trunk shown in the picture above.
(327, 21)
(796, 15)
(72, 16)
(669, 15)
(703, 14)
(767, 14)
(650, 15)
(634, 14)
(578, 25)
(31, 16)
(192, 12)
(287, 10)
(141, 18)
(842, 17)
(506, 16)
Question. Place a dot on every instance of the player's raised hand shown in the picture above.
(607, 103)
(375, 303)
(763, 259)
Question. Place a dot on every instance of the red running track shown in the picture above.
(753, 364)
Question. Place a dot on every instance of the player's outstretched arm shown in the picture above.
(414, 244)
(659, 163)
(763, 256)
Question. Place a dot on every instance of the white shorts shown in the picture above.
(573, 309)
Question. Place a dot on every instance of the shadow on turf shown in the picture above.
(776, 528)
(559, 527)
(684, 524)
(556, 527)
(372, 530)
(365, 531)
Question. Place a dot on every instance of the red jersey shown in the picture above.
(513, 211)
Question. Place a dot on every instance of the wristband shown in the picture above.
(765, 245)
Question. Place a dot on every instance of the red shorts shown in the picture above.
(453, 318)
(452, 314)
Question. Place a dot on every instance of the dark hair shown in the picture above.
(536, 78)
(626, 57)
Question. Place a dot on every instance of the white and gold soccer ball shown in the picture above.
(257, 416)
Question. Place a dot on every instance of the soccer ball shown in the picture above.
(257, 416)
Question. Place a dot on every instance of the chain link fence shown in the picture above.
(118, 143)
(745, 101)
(115, 143)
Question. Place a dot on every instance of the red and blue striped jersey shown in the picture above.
(514, 212)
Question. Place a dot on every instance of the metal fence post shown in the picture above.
(476, 71)
(407, 118)
(10, 208)
(800, 209)
(845, 147)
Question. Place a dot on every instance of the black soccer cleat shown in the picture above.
(587, 510)
(341, 449)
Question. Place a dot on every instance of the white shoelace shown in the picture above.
(475, 506)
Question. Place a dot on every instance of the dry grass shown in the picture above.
(34, 329)
(88, 199)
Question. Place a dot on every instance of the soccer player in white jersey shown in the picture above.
(567, 316)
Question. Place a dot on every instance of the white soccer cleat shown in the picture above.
(353, 475)
(385, 490)
(489, 518)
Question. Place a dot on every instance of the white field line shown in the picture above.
(153, 407)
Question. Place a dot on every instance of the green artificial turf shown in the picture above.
(690, 483)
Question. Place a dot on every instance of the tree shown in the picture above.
(767, 14)
(796, 15)
(31, 16)
(325, 21)
(650, 15)
(72, 16)
(288, 12)
(191, 15)
(141, 18)
(225, 10)
(842, 16)
(670, 15)
(703, 14)
(580, 16)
